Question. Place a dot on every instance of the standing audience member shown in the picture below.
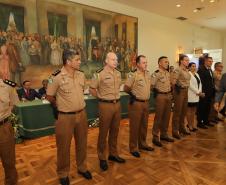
(194, 92)
(217, 74)
(8, 99)
(65, 91)
(106, 87)
(161, 84)
(207, 80)
(138, 85)
(181, 79)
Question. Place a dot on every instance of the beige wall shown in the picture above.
(224, 51)
(159, 35)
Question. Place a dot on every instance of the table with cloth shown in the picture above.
(36, 118)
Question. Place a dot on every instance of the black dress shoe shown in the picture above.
(219, 119)
(116, 159)
(213, 121)
(86, 175)
(64, 181)
(209, 125)
(157, 143)
(103, 165)
(194, 129)
(168, 139)
(185, 133)
(177, 136)
(147, 148)
(190, 129)
(135, 154)
(202, 126)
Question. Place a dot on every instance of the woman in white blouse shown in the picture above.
(194, 93)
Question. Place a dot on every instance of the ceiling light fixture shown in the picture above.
(195, 10)
(212, 1)
(178, 5)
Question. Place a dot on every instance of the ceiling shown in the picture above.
(213, 15)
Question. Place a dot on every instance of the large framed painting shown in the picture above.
(34, 33)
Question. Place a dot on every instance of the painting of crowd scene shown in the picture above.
(34, 33)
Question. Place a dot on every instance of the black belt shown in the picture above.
(184, 88)
(109, 101)
(4, 121)
(76, 112)
(164, 92)
(141, 100)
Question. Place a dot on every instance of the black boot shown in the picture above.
(64, 181)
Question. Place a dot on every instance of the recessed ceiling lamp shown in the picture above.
(212, 1)
(195, 10)
(202, 1)
(178, 5)
(198, 9)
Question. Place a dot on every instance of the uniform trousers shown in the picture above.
(69, 125)
(162, 115)
(138, 125)
(180, 109)
(109, 115)
(7, 153)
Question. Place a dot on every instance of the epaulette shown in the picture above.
(133, 71)
(157, 71)
(56, 72)
(118, 70)
(99, 70)
(10, 83)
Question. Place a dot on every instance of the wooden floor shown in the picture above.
(199, 159)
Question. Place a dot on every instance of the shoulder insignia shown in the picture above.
(118, 70)
(157, 71)
(99, 70)
(50, 80)
(176, 71)
(154, 75)
(133, 71)
(130, 74)
(10, 83)
(56, 72)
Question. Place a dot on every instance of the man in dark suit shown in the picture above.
(42, 91)
(27, 93)
(206, 76)
(220, 93)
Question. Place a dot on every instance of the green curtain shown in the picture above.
(18, 16)
(57, 24)
(89, 24)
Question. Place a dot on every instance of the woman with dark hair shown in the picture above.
(181, 81)
(194, 92)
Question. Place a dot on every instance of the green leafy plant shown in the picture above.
(14, 120)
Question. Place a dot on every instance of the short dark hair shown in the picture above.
(206, 58)
(160, 58)
(139, 57)
(25, 81)
(45, 80)
(191, 63)
(216, 64)
(181, 57)
(68, 54)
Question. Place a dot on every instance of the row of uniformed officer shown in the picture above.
(65, 91)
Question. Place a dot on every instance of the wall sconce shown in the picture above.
(179, 51)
